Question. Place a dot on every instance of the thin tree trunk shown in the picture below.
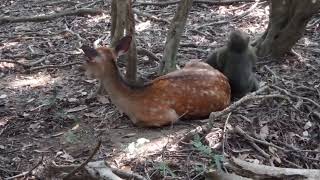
(122, 19)
(131, 70)
(120, 12)
(174, 35)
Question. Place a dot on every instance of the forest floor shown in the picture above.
(51, 111)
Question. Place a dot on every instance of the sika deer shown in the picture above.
(193, 92)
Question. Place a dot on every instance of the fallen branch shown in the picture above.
(143, 51)
(221, 3)
(72, 173)
(127, 175)
(268, 172)
(14, 62)
(56, 3)
(214, 115)
(53, 66)
(295, 96)
(24, 174)
(77, 12)
(150, 16)
(245, 13)
(240, 131)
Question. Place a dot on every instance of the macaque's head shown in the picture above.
(238, 41)
(104, 59)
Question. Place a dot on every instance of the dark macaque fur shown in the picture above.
(236, 61)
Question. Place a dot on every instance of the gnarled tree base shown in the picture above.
(288, 19)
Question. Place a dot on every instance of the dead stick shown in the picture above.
(26, 173)
(295, 96)
(215, 115)
(139, 13)
(151, 55)
(127, 175)
(240, 131)
(78, 12)
(251, 141)
(225, 2)
(72, 173)
(54, 66)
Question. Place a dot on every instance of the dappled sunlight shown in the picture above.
(94, 20)
(8, 45)
(32, 81)
(143, 147)
(143, 26)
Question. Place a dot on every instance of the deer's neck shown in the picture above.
(120, 93)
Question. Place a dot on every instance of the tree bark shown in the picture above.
(119, 11)
(287, 22)
(122, 18)
(131, 70)
(178, 23)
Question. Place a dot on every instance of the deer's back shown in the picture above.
(193, 93)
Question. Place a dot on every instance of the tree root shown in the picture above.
(77, 12)
(268, 172)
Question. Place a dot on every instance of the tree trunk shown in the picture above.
(118, 20)
(178, 23)
(122, 18)
(131, 70)
(287, 22)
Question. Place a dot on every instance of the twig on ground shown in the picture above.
(72, 173)
(143, 51)
(14, 62)
(24, 174)
(295, 96)
(127, 175)
(77, 12)
(214, 115)
(150, 16)
(240, 131)
(74, 33)
(245, 13)
(251, 141)
(224, 139)
(221, 3)
(53, 66)
(268, 172)
(55, 3)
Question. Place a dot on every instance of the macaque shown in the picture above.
(236, 61)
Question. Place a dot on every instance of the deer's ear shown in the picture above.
(91, 53)
(123, 45)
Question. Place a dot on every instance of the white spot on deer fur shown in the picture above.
(174, 85)
(154, 109)
(314, 1)
(212, 93)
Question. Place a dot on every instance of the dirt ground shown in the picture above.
(51, 111)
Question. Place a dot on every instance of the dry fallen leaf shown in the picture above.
(91, 115)
(78, 108)
(264, 132)
(103, 99)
